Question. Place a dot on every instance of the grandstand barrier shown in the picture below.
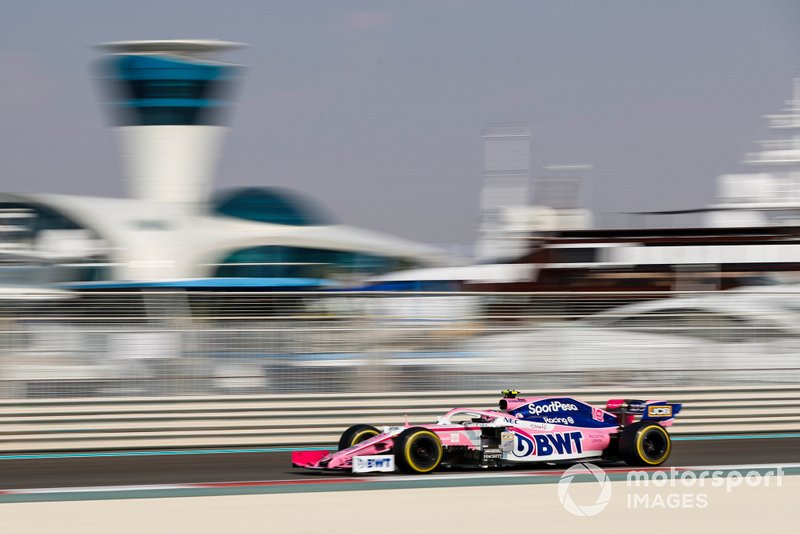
(297, 419)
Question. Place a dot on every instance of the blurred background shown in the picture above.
(527, 225)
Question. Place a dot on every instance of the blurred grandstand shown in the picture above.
(202, 343)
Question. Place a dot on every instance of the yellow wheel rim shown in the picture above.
(363, 436)
(407, 451)
(640, 449)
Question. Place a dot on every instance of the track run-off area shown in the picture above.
(208, 491)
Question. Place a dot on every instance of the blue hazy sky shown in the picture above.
(375, 107)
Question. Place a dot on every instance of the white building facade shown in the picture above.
(168, 100)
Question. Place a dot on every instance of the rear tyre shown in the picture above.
(417, 450)
(644, 444)
(356, 434)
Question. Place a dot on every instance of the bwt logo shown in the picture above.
(548, 444)
(551, 407)
(366, 464)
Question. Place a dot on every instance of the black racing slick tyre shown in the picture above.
(356, 434)
(417, 451)
(644, 444)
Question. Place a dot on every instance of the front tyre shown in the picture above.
(356, 434)
(417, 450)
(645, 444)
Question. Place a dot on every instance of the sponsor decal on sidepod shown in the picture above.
(547, 444)
(559, 420)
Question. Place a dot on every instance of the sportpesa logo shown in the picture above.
(551, 407)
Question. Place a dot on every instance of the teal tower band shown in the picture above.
(158, 90)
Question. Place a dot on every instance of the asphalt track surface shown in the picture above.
(274, 466)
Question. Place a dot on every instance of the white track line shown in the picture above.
(367, 480)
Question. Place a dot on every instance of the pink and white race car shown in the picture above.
(529, 430)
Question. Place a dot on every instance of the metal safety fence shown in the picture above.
(172, 343)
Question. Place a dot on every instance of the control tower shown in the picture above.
(168, 101)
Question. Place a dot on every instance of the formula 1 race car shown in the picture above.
(530, 430)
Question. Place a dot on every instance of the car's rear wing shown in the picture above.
(632, 410)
